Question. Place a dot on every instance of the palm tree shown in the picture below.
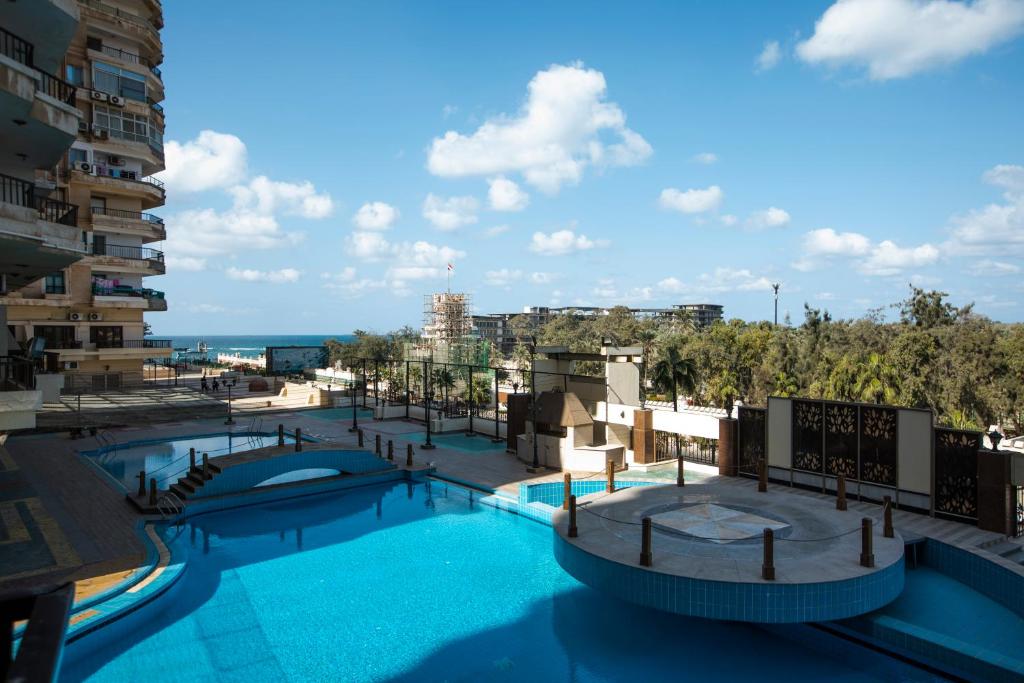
(784, 385)
(646, 338)
(674, 372)
(877, 380)
(444, 380)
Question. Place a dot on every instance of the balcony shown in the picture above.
(133, 25)
(126, 296)
(134, 344)
(144, 142)
(130, 58)
(108, 180)
(146, 225)
(23, 52)
(130, 258)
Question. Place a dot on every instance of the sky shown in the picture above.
(327, 163)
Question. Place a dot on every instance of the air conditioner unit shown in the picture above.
(99, 96)
(75, 317)
(100, 133)
(83, 126)
(115, 161)
(95, 316)
(117, 101)
(84, 167)
(70, 365)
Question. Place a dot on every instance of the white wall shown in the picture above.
(914, 430)
(780, 432)
(685, 422)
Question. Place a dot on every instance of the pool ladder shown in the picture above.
(109, 444)
(170, 505)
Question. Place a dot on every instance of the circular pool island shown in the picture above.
(707, 553)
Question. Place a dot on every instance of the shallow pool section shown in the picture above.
(412, 582)
(167, 460)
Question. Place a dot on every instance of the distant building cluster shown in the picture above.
(497, 327)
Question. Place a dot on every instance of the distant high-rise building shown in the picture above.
(90, 312)
(703, 315)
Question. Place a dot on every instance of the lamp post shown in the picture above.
(470, 387)
(532, 345)
(995, 437)
(406, 390)
(426, 402)
(355, 409)
(775, 287)
(364, 383)
(497, 435)
(376, 376)
(229, 421)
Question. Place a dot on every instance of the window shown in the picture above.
(75, 75)
(106, 337)
(77, 156)
(57, 336)
(54, 283)
(114, 81)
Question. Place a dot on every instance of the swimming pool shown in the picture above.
(339, 413)
(470, 444)
(411, 582)
(167, 459)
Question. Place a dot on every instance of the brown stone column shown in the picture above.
(643, 436)
(728, 459)
(995, 496)
(518, 412)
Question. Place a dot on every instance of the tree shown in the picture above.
(673, 372)
(877, 381)
(444, 380)
(929, 309)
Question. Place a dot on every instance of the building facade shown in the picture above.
(90, 314)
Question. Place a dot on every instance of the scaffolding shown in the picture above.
(447, 317)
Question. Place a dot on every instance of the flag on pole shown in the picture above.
(451, 267)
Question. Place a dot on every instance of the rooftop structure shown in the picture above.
(447, 316)
(89, 310)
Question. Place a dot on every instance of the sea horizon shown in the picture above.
(250, 345)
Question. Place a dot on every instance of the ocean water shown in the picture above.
(252, 345)
(417, 583)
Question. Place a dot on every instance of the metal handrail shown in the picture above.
(22, 193)
(15, 47)
(23, 52)
(128, 252)
(16, 372)
(120, 14)
(134, 344)
(133, 215)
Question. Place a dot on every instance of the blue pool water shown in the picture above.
(166, 460)
(410, 582)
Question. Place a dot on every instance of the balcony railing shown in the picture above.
(15, 373)
(131, 176)
(21, 193)
(131, 58)
(63, 344)
(130, 215)
(126, 291)
(134, 344)
(22, 51)
(128, 252)
(156, 145)
(120, 14)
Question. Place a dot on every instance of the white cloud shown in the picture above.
(884, 258)
(505, 195)
(346, 274)
(451, 213)
(562, 242)
(772, 217)
(990, 267)
(369, 246)
(728, 219)
(672, 284)
(276, 277)
(217, 161)
(539, 278)
(729, 279)
(448, 110)
(405, 260)
(706, 158)
(346, 284)
(692, 201)
(190, 263)
(887, 258)
(496, 230)
(560, 130)
(898, 38)
(995, 228)
(265, 196)
(212, 160)
(375, 216)
(770, 56)
(503, 277)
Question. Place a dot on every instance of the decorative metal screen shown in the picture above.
(807, 436)
(841, 439)
(879, 445)
(956, 472)
(752, 422)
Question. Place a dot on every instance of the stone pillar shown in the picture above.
(518, 413)
(728, 458)
(995, 495)
(643, 436)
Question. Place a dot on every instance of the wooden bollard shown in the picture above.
(762, 476)
(867, 555)
(408, 455)
(360, 435)
(152, 491)
(646, 557)
(681, 472)
(566, 490)
(142, 483)
(610, 488)
(391, 449)
(887, 529)
(573, 531)
(206, 466)
(768, 566)
(191, 459)
(841, 492)
(298, 439)
(376, 444)
(280, 434)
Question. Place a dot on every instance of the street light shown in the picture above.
(426, 402)
(355, 409)
(229, 421)
(775, 287)
(470, 386)
(531, 344)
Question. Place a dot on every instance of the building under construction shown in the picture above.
(447, 316)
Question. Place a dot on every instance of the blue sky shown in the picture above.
(325, 163)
